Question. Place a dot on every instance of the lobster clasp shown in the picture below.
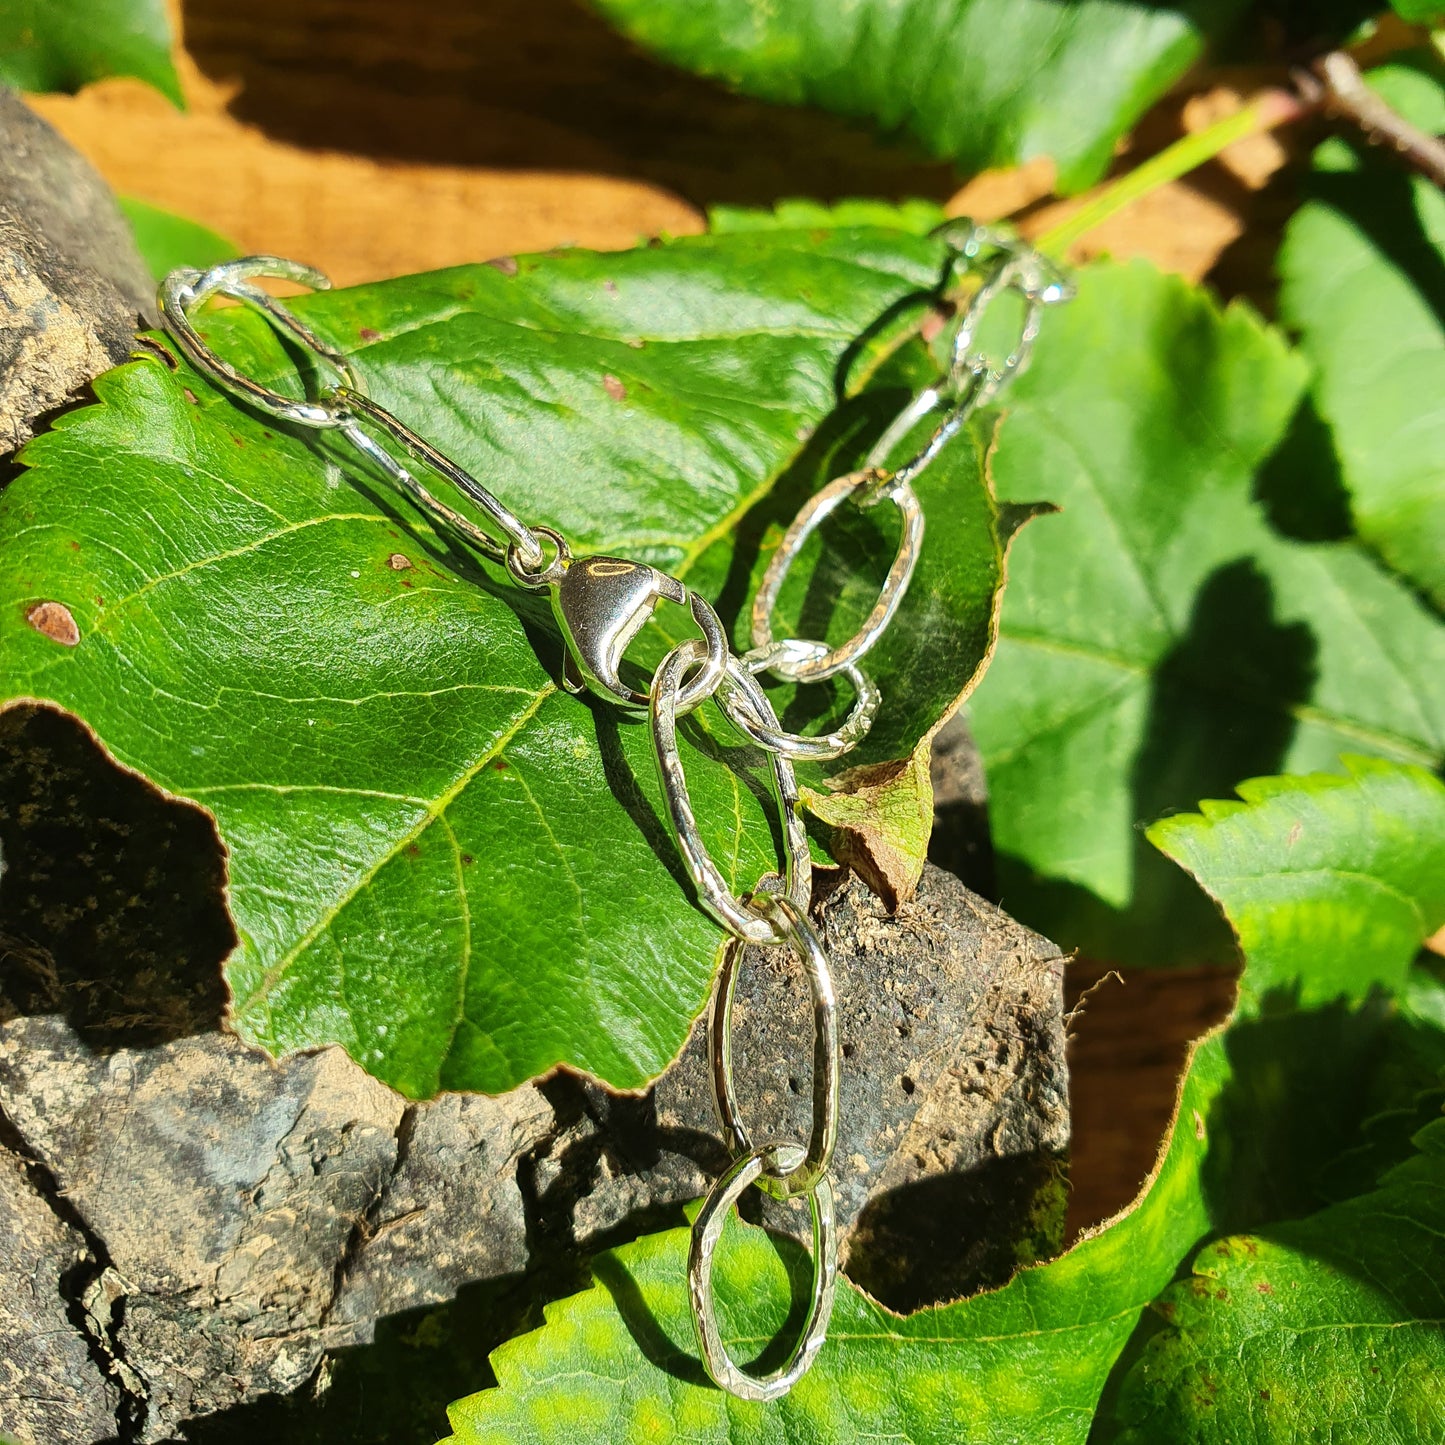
(602, 603)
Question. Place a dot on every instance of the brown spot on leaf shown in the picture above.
(190, 396)
(467, 860)
(507, 265)
(1221, 1294)
(398, 562)
(413, 850)
(1199, 1126)
(610, 287)
(1264, 1395)
(55, 621)
(369, 333)
(75, 546)
(501, 765)
(1265, 1287)
(613, 387)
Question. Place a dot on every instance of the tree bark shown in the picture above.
(194, 1226)
(72, 285)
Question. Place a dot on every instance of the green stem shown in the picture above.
(1191, 151)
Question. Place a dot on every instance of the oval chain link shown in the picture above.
(707, 1231)
(717, 898)
(798, 931)
(602, 602)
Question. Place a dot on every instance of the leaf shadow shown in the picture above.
(936, 1239)
(681, 1360)
(1380, 201)
(1305, 1085)
(1221, 708)
(533, 85)
(112, 906)
(1301, 486)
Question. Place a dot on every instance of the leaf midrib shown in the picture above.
(434, 810)
(1411, 749)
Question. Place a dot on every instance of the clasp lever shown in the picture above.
(602, 603)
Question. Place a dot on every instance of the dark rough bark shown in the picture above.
(195, 1226)
(72, 284)
(255, 1215)
(50, 1386)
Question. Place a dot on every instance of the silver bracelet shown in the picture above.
(601, 603)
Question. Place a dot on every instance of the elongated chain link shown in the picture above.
(601, 603)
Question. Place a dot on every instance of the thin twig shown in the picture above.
(1271, 109)
(1342, 89)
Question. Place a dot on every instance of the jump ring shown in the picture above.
(707, 1231)
(818, 507)
(713, 891)
(539, 576)
(811, 1167)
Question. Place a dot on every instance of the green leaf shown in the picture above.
(1419, 12)
(1361, 270)
(436, 858)
(1326, 1328)
(1331, 882)
(66, 44)
(618, 1362)
(1265, 1104)
(167, 241)
(1029, 1361)
(1164, 635)
(982, 82)
(917, 217)
(881, 819)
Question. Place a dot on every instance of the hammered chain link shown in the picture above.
(602, 602)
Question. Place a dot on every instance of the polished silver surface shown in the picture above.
(707, 1231)
(342, 405)
(602, 603)
(449, 518)
(800, 747)
(1013, 266)
(814, 512)
(927, 400)
(802, 938)
(714, 894)
(185, 289)
(514, 531)
(550, 570)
